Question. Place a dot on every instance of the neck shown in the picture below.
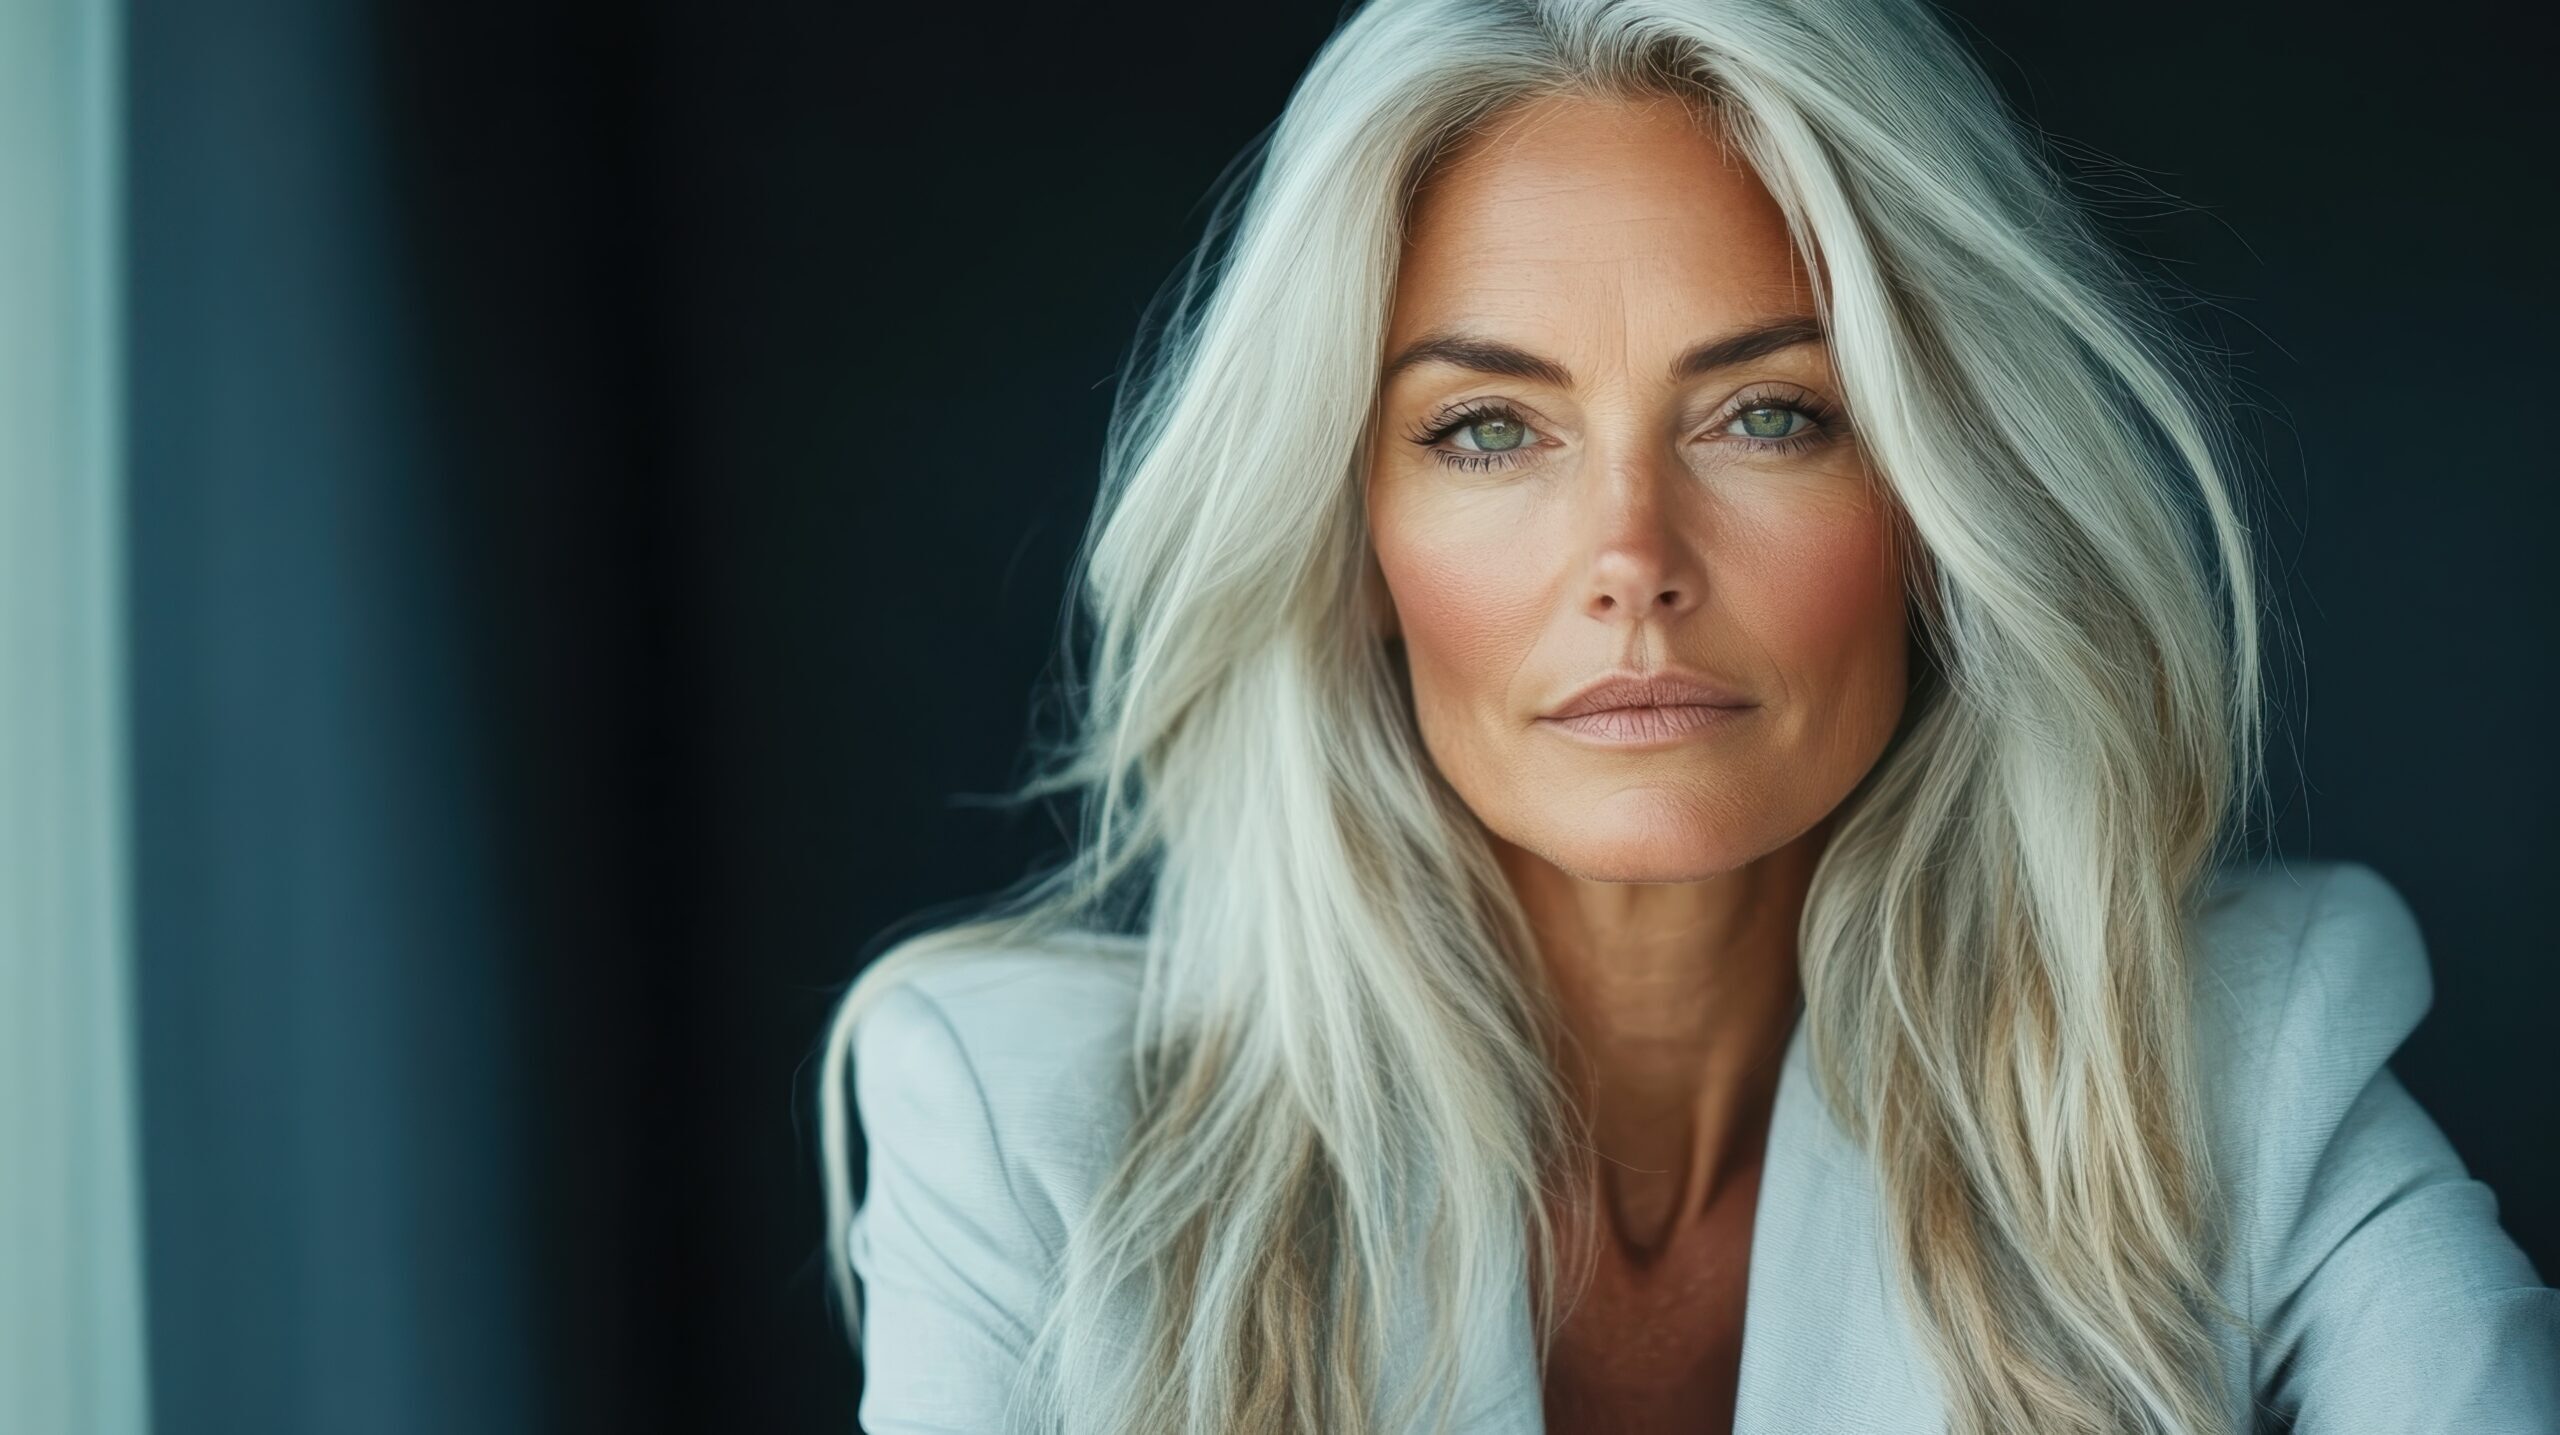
(1679, 998)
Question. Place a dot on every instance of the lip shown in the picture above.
(1661, 688)
(1643, 709)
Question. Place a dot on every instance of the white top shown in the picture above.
(993, 1095)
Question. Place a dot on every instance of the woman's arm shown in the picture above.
(952, 1272)
(2391, 1299)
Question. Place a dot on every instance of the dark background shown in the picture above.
(603, 478)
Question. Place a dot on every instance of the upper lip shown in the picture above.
(1661, 688)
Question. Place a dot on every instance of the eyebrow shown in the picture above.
(1493, 356)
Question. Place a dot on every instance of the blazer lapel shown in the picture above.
(1827, 1343)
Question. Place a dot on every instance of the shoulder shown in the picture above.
(2308, 976)
(2383, 1292)
(2317, 967)
(1024, 1052)
(987, 1086)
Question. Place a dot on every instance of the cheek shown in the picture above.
(1823, 593)
(1468, 611)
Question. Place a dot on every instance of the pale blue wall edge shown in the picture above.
(335, 1118)
(71, 1318)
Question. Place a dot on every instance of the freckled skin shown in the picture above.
(1640, 525)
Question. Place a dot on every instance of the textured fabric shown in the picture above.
(993, 1093)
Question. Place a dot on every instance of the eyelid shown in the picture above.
(1776, 394)
(1457, 412)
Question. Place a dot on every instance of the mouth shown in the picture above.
(1628, 708)
(1648, 724)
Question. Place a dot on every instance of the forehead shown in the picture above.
(1630, 209)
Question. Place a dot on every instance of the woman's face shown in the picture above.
(1586, 463)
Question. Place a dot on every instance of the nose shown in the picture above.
(1640, 565)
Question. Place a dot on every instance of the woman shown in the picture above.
(1675, 677)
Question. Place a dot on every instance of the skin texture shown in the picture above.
(1628, 520)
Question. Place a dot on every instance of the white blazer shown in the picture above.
(993, 1096)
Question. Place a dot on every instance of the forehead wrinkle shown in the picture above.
(1474, 302)
(1664, 244)
(1484, 208)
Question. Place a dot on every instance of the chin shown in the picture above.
(1637, 865)
(1656, 851)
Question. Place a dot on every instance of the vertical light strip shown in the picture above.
(71, 1317)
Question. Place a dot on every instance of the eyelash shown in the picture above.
(1450, 421)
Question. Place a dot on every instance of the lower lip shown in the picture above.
(1645, 727)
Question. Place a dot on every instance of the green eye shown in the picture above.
(1767, 421)
(1480, 437)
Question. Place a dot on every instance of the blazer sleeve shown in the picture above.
(951, 1272)
(2389, 1298)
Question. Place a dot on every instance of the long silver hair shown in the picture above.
(1342, 1049)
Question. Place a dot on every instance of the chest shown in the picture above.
(1655, 1346)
